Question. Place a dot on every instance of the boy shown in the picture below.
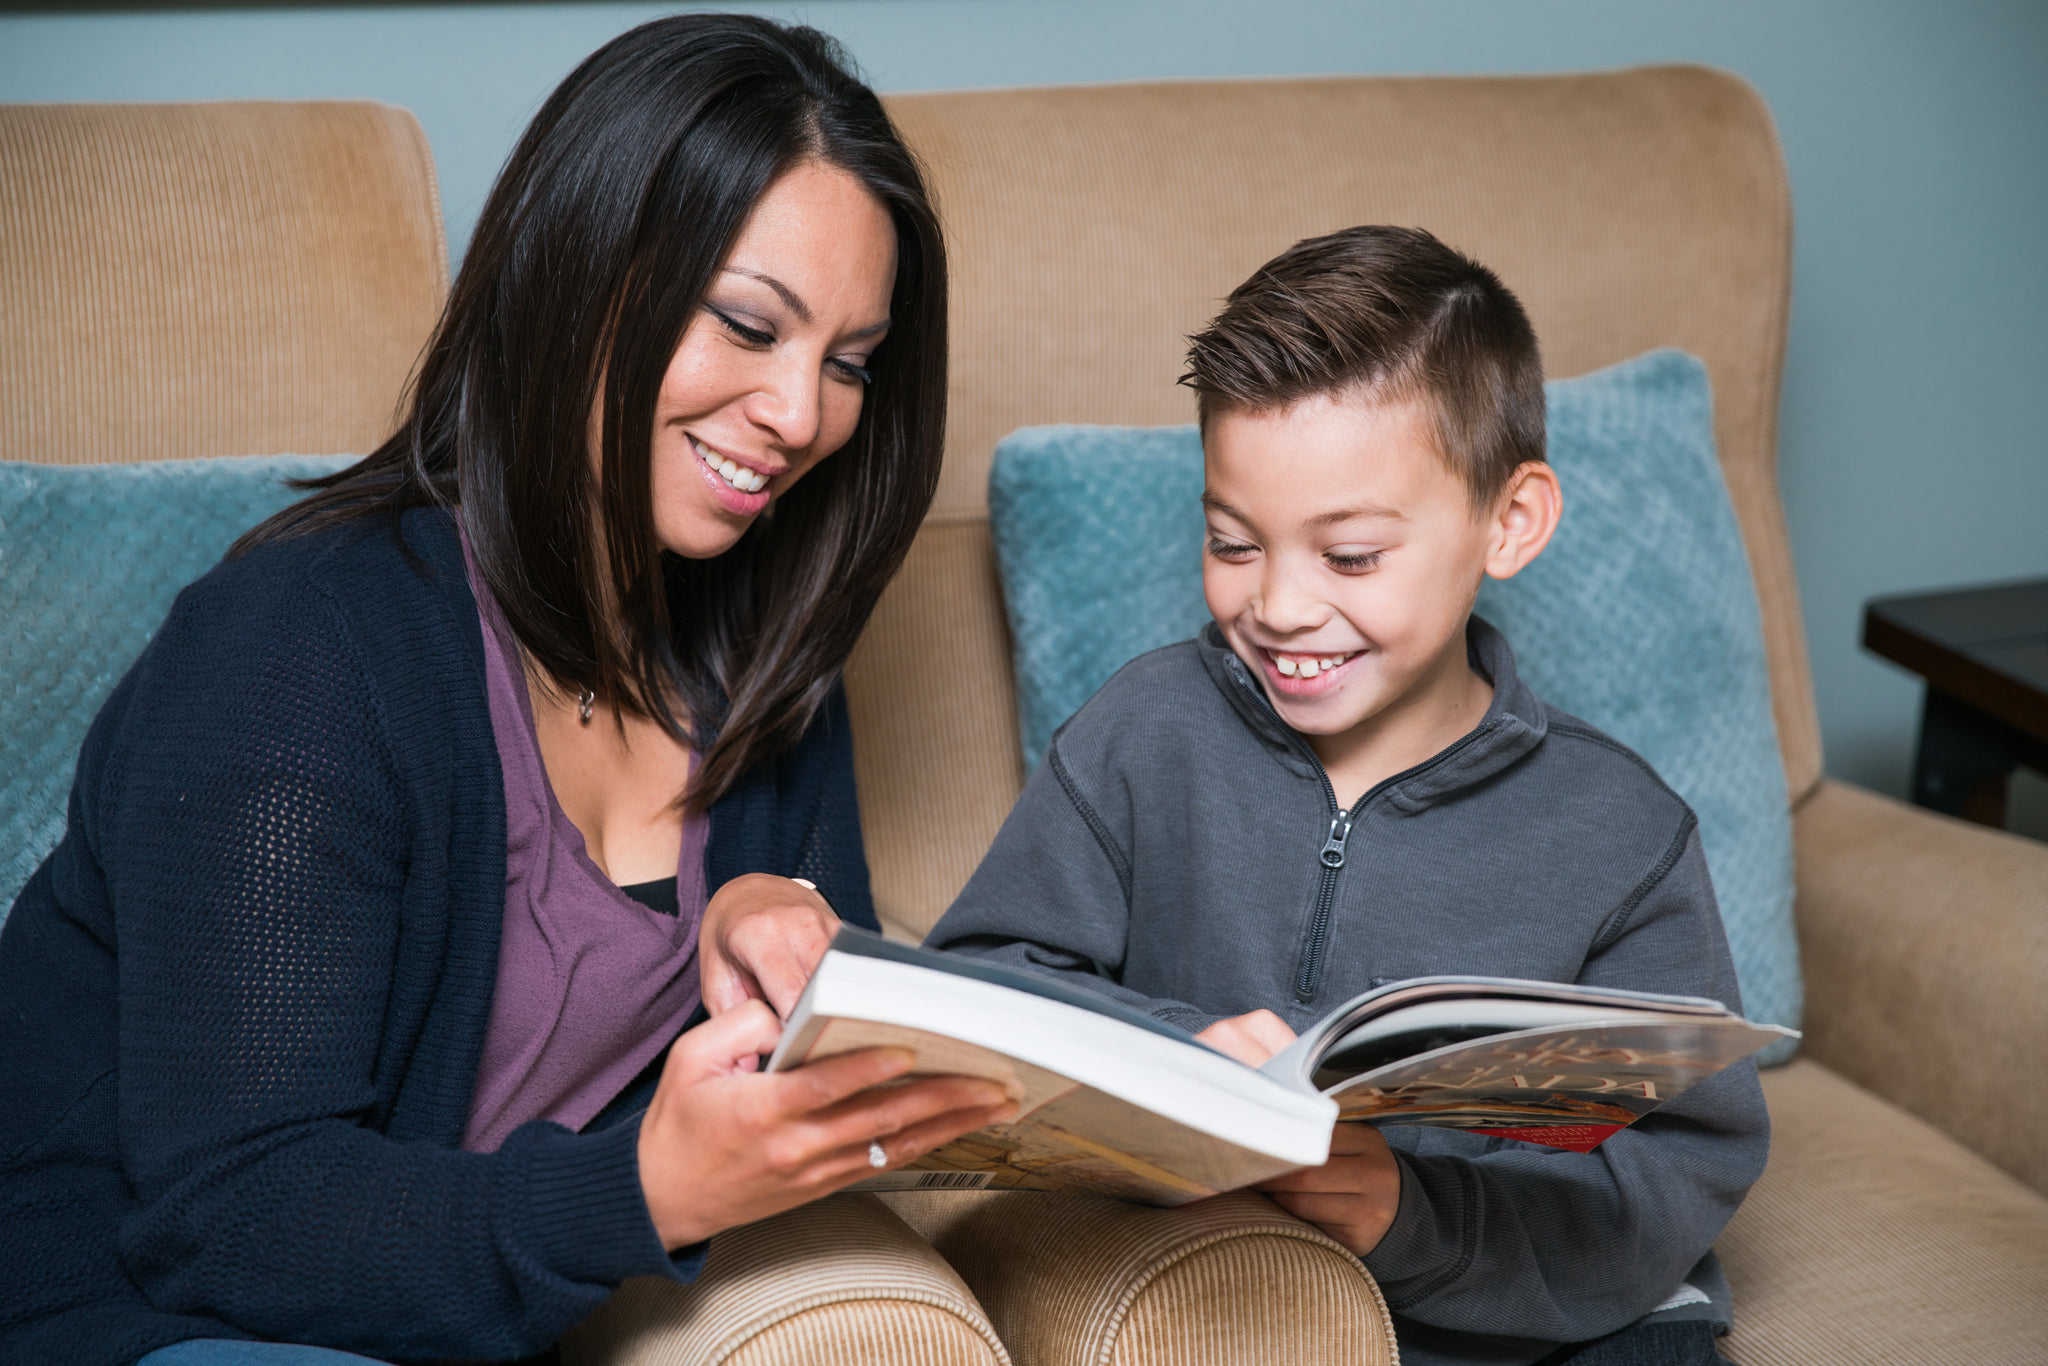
(1342, 782)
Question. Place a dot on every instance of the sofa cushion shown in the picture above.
(1641, 617)
(181, 280)
(1924, 944)
(934, 708)
(90, 558)
(1874, 1238)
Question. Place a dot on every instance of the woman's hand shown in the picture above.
(761, 939)
(1353, 1197)
(1251, 1038)
(722, 1145)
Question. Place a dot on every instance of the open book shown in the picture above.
(1113, 1102)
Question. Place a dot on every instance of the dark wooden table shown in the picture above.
(1984, 654)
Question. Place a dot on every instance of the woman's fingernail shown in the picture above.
(897, 1061)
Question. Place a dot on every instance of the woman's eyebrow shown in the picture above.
(797, 305)
(788, 295)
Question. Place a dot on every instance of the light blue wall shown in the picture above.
(1915, 427)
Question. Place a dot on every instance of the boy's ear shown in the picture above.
(1524, 519)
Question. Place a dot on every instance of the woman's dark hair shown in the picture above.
(591, 257)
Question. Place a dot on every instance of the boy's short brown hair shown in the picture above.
(1396, 315)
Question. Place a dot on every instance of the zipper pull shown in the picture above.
(1333, 847)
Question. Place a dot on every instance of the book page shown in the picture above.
(1594, 1080)
(1066, 1146)
(1032, 1088)
(1471, 998)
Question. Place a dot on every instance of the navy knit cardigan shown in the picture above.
(242, 1003)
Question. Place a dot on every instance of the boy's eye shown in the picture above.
(1230, 550)
(752, 336)
(1352, 561)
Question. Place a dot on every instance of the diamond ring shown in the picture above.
(876, 1157)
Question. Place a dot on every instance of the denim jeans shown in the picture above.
(229, 1352)
(1688, 1342)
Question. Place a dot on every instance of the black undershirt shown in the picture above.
(658, 895)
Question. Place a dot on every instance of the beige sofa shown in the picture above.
(1902, 1218)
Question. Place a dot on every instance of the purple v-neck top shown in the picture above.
(592, 985)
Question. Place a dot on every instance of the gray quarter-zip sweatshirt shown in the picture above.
(1180, 849)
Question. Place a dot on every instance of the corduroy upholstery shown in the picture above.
(183, 280)
(1873, 1239)
(1925, 945)
(939, 766)
(839, 1280)
(1077, 1281)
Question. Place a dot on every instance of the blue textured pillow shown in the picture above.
(90, 558)
(1641, 616)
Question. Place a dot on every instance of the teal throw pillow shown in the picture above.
(90, 558)
(1641, 617)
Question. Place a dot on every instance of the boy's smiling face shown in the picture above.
(1343, 559)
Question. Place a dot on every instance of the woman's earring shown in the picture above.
(585, 700)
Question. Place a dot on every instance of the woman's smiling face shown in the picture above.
(771, 372)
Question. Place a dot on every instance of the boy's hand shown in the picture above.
(1251, 1038)
(1353, 1196)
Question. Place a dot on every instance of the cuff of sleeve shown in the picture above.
(1183, 1017)
(1421, 1251)
(584, 1206)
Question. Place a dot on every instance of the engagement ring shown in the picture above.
(876, 1157)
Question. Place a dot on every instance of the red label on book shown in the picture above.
(1577, 1138)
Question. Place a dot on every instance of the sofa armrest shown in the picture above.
(841, 1279)
(1076, 1281)
(1924, 943)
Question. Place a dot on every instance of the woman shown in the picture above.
(385, 866)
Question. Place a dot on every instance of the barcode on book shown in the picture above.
(925, 1181)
